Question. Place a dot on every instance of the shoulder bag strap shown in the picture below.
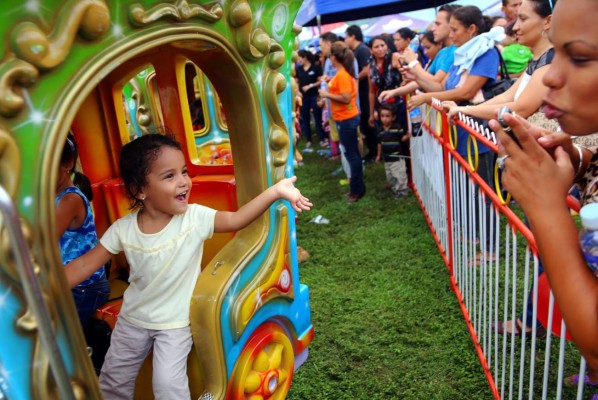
(504, 73)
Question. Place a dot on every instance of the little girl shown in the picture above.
(77, 231)
(163, 244)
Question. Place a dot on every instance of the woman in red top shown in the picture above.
(342, 92)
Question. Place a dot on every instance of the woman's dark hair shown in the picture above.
(344, 55)
(472, 15)
(70, 154)
(406, 33)
(136, 159)
(543, 7)
(306, 54)
(429, 36)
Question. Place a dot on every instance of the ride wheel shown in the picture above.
(265, 367)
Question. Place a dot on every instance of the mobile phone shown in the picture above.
(501, 112)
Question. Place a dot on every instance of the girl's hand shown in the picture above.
(323, 93)
(417, 101)
(537, 180)
(287, 191)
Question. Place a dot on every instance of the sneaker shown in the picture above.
(308, 144)
(324, 143)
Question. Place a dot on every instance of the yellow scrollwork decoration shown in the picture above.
(10, 163)
(181, 11)
(37, 50)
(90, 18)
(14, 73)
(253, 44)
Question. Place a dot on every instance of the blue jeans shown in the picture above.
(347, 132)
(310, 103)
(89, 298)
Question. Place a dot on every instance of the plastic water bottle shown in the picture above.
(588, 236)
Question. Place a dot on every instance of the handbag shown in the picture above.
(500, 86)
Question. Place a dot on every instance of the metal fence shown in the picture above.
(493, 265)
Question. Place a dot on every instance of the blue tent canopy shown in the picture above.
(349, 10)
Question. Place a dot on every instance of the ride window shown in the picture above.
(141, 104)
(206, 118)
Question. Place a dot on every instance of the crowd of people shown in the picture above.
(537, 60)
(457, 60)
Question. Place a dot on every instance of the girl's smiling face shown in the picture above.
(572, 77)
(168, 184)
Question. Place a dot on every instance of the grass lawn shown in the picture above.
(387, 324)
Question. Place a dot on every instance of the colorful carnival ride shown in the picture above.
(217, 75)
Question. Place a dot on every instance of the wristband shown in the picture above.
(412, 64)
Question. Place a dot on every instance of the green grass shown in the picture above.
(387, 324)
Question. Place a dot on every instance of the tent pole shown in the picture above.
(319, 19)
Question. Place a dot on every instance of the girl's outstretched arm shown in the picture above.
(83, 267)
(227, 221)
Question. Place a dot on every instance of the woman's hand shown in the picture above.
(417, 100)
(385, 95)
(538, 180)
(307, 87)
(286, 190)
(452, 110)
(409, 55)
(372, 119)
(407, 74)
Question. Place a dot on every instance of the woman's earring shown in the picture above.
(142, 197)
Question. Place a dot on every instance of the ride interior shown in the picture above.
(214, 74)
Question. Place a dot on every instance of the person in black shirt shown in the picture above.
(392, 149)
(308, 74)
(362, 53)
